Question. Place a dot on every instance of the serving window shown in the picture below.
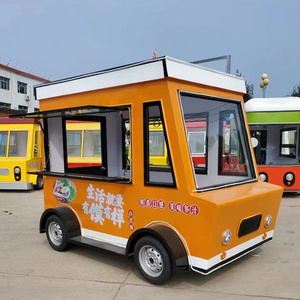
(86, 142)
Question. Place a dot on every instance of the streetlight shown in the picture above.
(264, 83)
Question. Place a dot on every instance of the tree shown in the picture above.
(249, 88)
(296, 91)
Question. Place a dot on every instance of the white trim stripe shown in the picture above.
(198, 74)
(206, 264)
(114, 78)
(104, 237)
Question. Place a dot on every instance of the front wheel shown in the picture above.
(153, 260)
(39, 183)
(56, 233)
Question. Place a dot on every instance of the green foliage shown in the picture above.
(249, 88)
(296, 91)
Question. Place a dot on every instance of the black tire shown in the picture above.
(153, 260)
(56, 233)
(39, 183)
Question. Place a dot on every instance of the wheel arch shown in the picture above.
(67, 216)
(168, 237)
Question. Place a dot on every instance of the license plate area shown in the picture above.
(249, 225)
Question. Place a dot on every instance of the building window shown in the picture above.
(22, 87)
(36, 109)
(6, 105)
(4, 83)
(22, 107)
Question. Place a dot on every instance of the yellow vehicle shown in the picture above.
(175, 215)
(20, 152)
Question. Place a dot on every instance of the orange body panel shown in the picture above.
(276, 175)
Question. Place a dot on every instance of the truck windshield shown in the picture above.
(217, 140)
(18, 144)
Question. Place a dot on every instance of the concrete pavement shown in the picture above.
(30, 269)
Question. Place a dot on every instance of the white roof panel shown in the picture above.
(140, 72)
(273, 104)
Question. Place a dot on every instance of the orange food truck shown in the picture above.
(20, 152)
(169, 216)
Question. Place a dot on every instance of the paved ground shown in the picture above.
(30, 269)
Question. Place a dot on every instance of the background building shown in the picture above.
(16, 89)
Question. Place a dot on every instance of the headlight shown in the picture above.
(226, 237)
(17, 170)
(268, 221)
(289, 176)
(262, 177)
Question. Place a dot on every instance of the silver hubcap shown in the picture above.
(55, 233)
(151, 261)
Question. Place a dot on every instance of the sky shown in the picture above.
(57, 39)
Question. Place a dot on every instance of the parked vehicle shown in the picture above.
(172, 213)
(20, 152)
(274, 127)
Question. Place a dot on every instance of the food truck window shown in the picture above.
(158, 163)
(18, 144)
(221, 137)
(3, 143)
(288, 139)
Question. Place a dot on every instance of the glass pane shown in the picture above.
(3, 143)
(18, 144)
(233, 156)
(159, 169)
(156, 142)
(196, 126)
(217, 139)
(92, 143)
(74, 143)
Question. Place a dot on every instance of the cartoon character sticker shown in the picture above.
(64, 190)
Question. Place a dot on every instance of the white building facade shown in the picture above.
(16, 89)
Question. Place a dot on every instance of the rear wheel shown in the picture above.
(56, 233)
(153, 260)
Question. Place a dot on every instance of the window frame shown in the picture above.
(22, 85)
(147, 182)
(102, 121)
(4, 81)
(289, 146)
(23, 108)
